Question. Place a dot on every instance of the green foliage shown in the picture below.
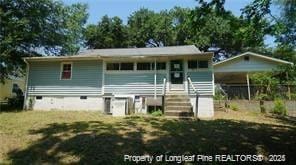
(266, 84)
(35, 28)
(157, 113)
(234, 107)
(108, 33)
(279, 107)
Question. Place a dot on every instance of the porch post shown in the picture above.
(155, 79)
(248, 83)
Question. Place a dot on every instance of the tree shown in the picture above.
(108, 33)
(36, 28)
(147, 28)
(180, 24)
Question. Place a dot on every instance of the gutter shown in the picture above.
(26, 84)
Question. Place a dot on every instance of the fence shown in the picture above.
(240, 91)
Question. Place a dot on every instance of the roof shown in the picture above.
(256, 55)
(130, 52)
(154, 51)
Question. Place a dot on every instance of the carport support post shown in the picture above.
(248, 83)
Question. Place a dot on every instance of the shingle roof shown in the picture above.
(155, 51)
(130, 52)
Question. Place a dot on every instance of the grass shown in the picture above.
(54, 137)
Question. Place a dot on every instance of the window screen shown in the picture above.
(192, 64)
(127, 66)
(203, 64)
(144, 66)
(112, 66)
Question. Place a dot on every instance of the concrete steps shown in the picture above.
(177, 105)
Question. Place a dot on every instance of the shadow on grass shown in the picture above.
(98, 142)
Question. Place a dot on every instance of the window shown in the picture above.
(161, 66)
(38, 97)
(203, 64)
(127, 66)
(144, 66)
(247, 58)
(192, 64)
(83, 97)
(113, 66)
(120, 66)
(66, 71)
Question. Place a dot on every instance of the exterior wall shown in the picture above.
(133, 82)
(66, 103)
(6, 88)
(240, 65)
(44, 79)
(205, 107)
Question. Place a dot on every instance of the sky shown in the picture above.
(123, 8)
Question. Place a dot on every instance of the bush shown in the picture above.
(279, 107)
(157, 113)
(16, 102)
(234, 107)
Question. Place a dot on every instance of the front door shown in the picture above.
(176, 72)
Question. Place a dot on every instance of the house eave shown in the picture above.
(256, 55)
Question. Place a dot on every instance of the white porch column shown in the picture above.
(248, 83)
(155, 79)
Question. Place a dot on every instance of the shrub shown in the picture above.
(234, 107)
(16, 102)
(157, 113)
(279, 107)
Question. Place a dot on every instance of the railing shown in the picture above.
(191, 84)
(164, 87)
(226, 104)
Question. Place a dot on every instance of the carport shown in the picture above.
(236, 70)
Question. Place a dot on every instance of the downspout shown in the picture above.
(155, 79)
(26, 84)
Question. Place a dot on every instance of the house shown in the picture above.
(11, 86)
(121, 81)
(235, 71)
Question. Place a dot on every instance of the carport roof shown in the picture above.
(253, 54)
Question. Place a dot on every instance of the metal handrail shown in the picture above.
(164, 86)
(226, 96)
(191, 84)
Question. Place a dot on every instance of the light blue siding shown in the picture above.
(202, 81)
(240, 65)
(44, 79)
(133, 83)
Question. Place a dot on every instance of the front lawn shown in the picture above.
(36, 137)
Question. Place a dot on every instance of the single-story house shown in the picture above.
(235, 71)
(178, 79)
(116, 80)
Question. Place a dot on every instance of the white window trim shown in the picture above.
(61, 70)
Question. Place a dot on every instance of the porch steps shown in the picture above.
(177, 105)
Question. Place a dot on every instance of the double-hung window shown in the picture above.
(66, 71)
